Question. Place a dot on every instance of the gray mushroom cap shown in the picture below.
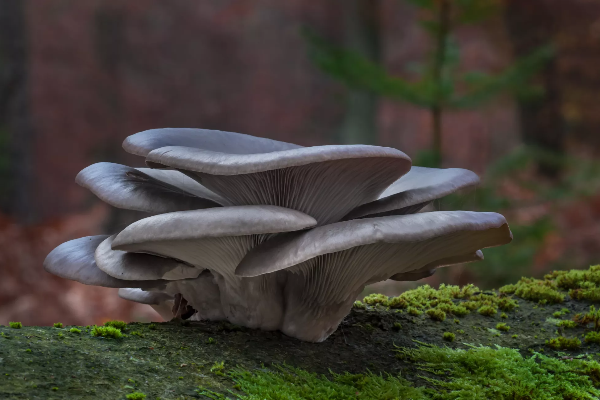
(144, 142)
(75, 260)
(161, 302)
(131, 189)
(440, 234)
(325, 182)
(214, 238)
(185, 183)
(144, 297)
(430, 268)
(414, 190)
(139, 266)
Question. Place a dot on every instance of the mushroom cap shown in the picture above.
(144, 297)
(139, 266)
(325, 182)
(144, 142)
(215, 239)
(430, 268)
(218, 163)
(74, 260)
(213, 222)
(185, 183)
(444, 234)
(131, 189)
(414, 190)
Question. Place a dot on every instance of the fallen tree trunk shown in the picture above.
(421, 345)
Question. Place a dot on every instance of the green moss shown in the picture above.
(376, 298)
(592, 337)
(592, 316)
(218, 368)
(359, 305)
(397, 302)
(106, 332)
(152, 327)
(514, 336)
(459, 311)
(488, 311)
(563, 343)
(449, 336)
(503, 316)
(567, 323)
(502, 327)
(560, 313)
(501, 374)
(136, 333)
(413, 311)
(397, 326)
(535, 290)
(15, 325)
(436, 315)
(58, 325)
(75, 330)
(507, 304)
(211, 341)
(120, 325)
(136, 396)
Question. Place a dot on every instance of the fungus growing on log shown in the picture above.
(267, 234)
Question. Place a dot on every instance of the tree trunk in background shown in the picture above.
(530, 26)
(16, 129)
(361, 34)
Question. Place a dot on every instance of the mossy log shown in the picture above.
(540, 340)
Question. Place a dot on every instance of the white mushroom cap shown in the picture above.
(430, 268)
(414, 190)
(144, 142)
(162, 303)
(137, 266)
(444, 234)
(215, 239)
(74, 260)
(325, 182)
(144, 297)
(132, 189)
(185, 183)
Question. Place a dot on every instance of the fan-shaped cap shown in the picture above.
(430, 268)
(183, 182)
(414, 190)
(144, 142)
(144, 297)
(325, 182)
(439, 234)
(75, 260)
(215, 238)
(138, 266)
(131, 189)
(161, 302)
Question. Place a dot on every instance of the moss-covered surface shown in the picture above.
(390, 339)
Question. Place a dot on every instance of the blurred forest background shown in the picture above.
(507, 88)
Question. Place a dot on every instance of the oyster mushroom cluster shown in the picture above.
(267, 234)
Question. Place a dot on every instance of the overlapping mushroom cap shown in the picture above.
(268, 234)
